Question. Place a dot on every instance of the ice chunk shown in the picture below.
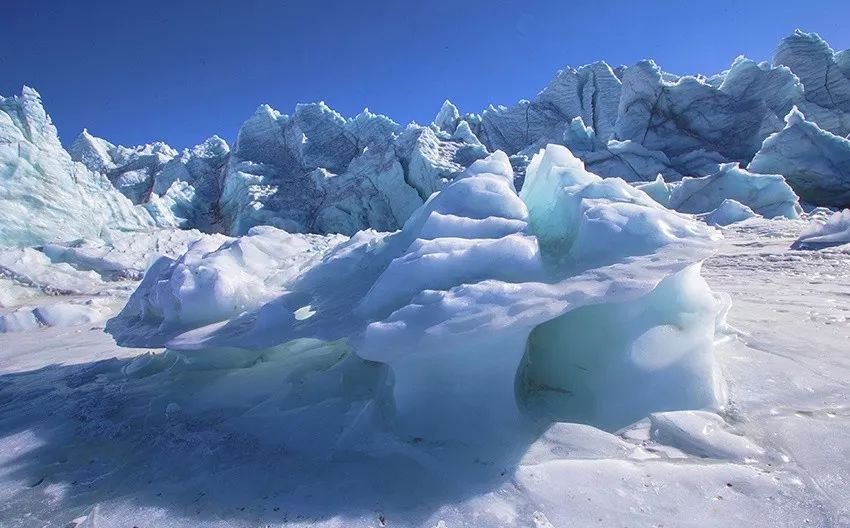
(448, 117)
(449, 303)
(766, 194)
(578, 216)
(834, 230)
(815, 162)
(59, 314)
(729, 212)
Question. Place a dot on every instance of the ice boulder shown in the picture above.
(59, 314)
(833, 230)
(729, 212)
(44, 195)
(578, 300)
(816, 163)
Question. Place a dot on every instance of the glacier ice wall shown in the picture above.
(44, 195)
(815, 162)
(181, 189)
(316, 171)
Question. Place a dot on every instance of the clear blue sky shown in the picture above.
(181, 70)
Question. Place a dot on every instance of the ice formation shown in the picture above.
(471, 302)
(180, 189)
(766, 194)
(728, 212)
(442, 362)
(815, 162)
(44, 195)
(215, 280)
(317, 172)
(832, 230)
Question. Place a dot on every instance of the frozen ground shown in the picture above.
(99, 435)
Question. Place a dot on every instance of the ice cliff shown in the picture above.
(45, 195)
(815, 162)
(315, 171)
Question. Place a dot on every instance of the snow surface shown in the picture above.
(113, 436)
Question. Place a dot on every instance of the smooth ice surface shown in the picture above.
(44, 195)
(832, 230)
(815, 162)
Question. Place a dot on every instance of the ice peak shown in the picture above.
(447, 117)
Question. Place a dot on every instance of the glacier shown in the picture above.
(507, 318)
(44, 195)
(815, 162)
(315, 171)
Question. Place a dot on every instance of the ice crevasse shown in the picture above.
(578, 299)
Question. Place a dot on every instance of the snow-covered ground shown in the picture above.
(103, 435)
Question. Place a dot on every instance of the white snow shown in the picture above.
(117, 435)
